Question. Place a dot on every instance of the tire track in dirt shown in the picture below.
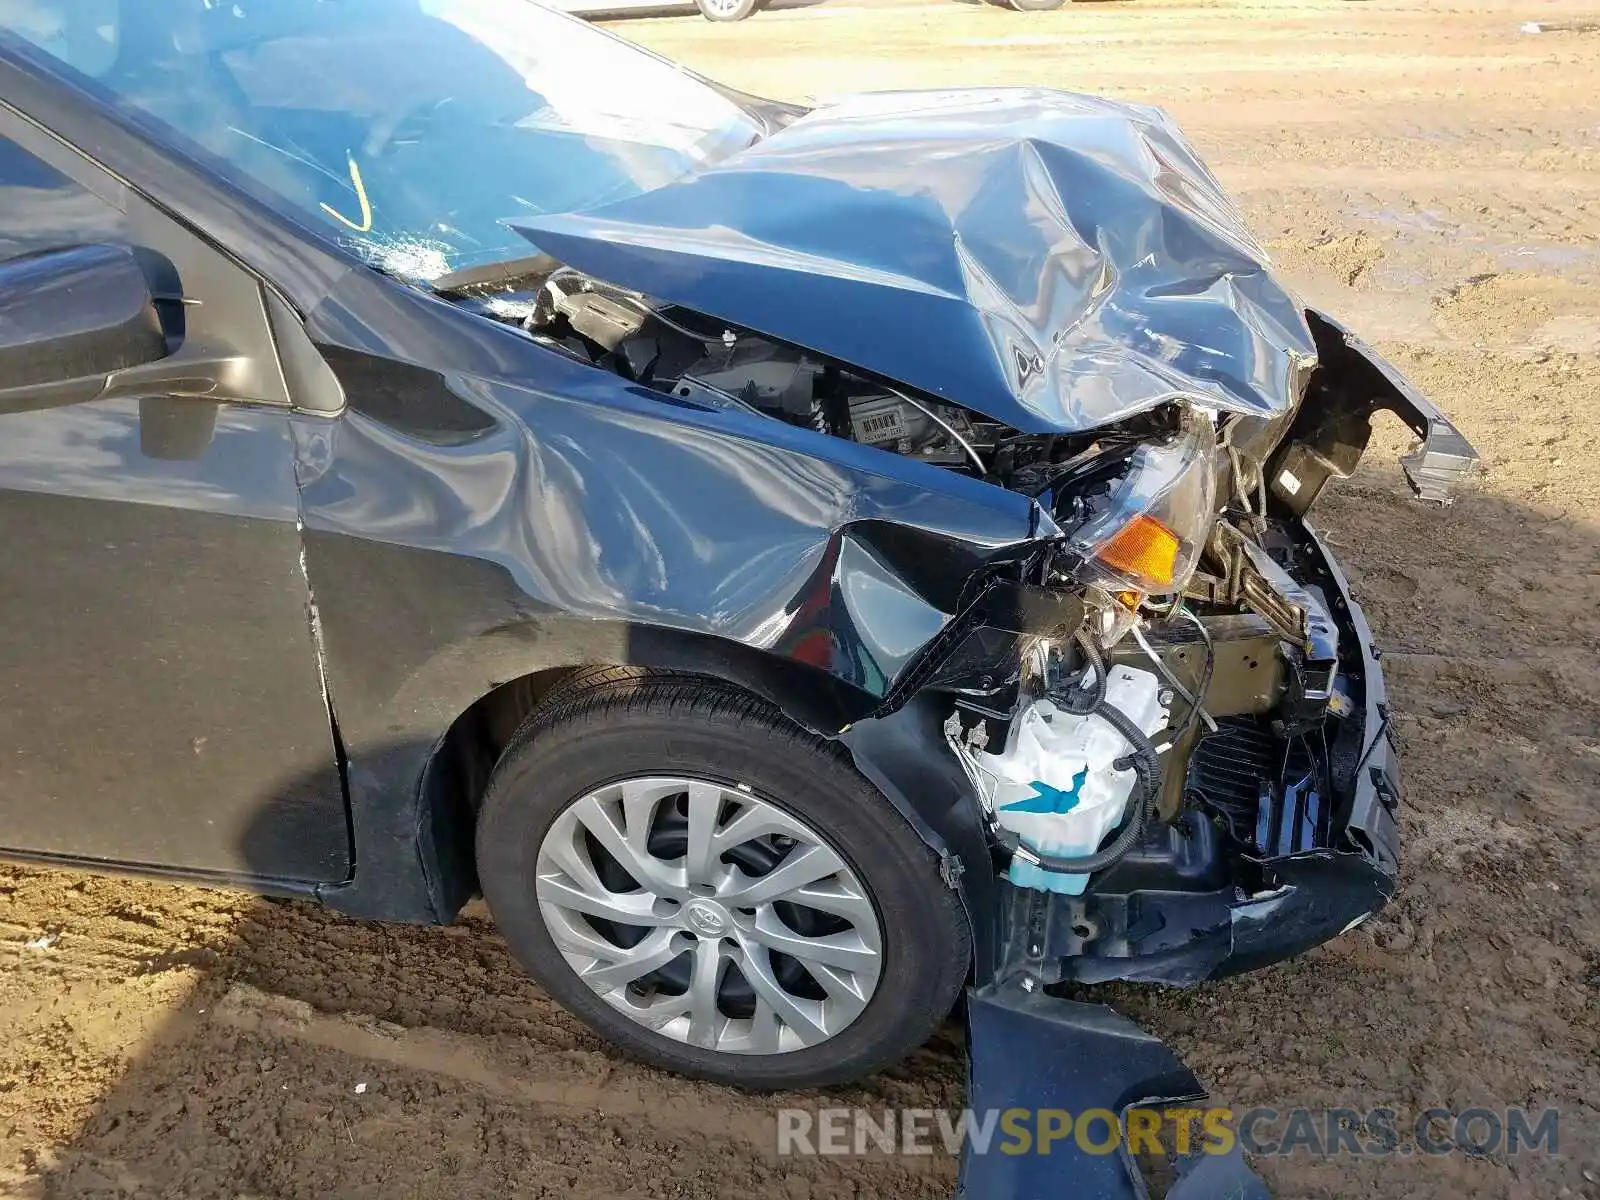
(296, 1096)
(133, 950)
(668, 1104)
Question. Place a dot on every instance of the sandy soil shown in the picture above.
(1426, 171)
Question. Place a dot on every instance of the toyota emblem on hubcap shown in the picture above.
(706, 919)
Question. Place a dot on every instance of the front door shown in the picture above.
(161, 702)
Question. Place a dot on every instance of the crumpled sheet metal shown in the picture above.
(591, 514)
(1054, 261)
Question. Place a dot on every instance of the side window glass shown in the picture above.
(41, 208)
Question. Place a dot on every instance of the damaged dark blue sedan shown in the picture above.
(796, 564)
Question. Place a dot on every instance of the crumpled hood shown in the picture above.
(1054, 261)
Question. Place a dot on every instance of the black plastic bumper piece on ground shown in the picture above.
(1032, 1051)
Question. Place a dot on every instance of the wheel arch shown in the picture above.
(453, 777)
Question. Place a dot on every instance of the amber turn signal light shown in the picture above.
(1143, 549)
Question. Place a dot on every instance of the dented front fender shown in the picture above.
(486, 509)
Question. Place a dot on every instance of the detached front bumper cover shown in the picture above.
(1033, 1052)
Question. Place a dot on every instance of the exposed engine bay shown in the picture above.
(1176, 741)
(1149, 738)
(709, 363)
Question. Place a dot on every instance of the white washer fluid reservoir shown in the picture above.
(1054, 785)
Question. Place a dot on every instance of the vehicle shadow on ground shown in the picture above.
(223, 1045)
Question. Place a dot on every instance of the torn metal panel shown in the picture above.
(1055, 261)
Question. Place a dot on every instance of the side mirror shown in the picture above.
(81, 323)
(68, 319)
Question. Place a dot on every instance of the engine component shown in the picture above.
(604, 321)
(937, 432)
(1248, 673)
(764, 376)
(884, 421)
(1271, 795)
(671, 349)
(1236, 660)
(1056, 785)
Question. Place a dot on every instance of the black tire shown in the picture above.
(612, 726)
(732, 12)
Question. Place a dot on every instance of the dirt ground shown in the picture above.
(1428, 172)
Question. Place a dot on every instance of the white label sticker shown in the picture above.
(876, 428)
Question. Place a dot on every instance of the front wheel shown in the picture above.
(714, 889)
(727, 10)
(1034, 5)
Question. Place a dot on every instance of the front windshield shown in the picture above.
(412, 130)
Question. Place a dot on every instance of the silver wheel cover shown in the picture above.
(731, 940)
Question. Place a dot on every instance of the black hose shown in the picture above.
(1084, 864)
(1143, 755)
(1147, 783)
(1076, 699)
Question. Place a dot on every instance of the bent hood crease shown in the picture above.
(1053, 261)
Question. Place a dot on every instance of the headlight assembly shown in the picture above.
(1145, 533)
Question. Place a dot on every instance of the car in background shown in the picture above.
(711, 10)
